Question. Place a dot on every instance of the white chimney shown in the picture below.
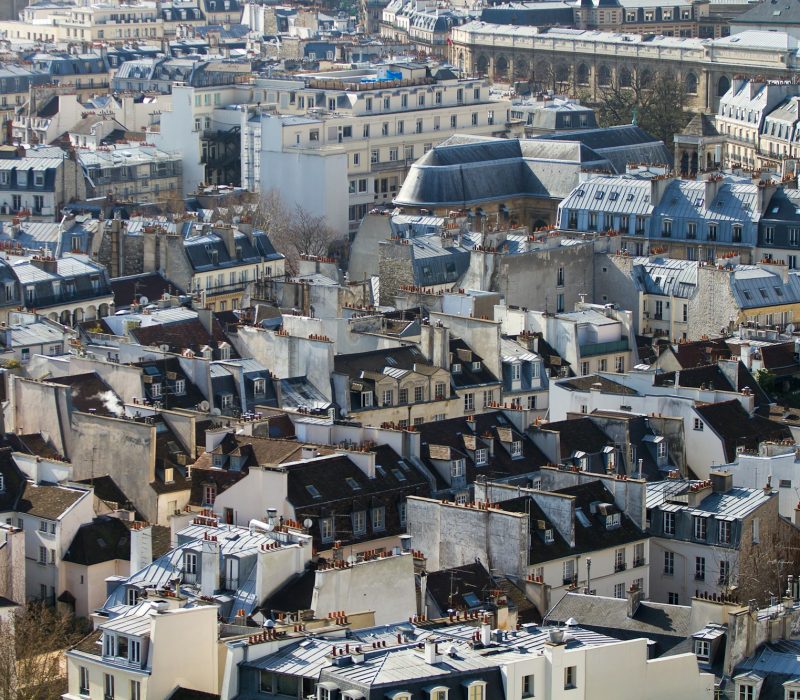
(432, 655)
(486, 634)
(209, 582)
(141, 547)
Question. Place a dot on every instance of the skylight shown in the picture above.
(353, 484)
(313, 491)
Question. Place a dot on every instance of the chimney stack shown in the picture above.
(721, 480)
(635, 596)
(141, 547)
(209, 583)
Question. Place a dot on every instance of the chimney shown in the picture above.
(209, 582)
(721, 480)
(634, 599)
(712, 185)
(698, 490)
(141, 547)
(745, 356)
(365, 461)
(441, 347)
(46, 264)
(486, 634)
(432, 655)
(227, 234)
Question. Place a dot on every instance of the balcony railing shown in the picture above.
(590, 349)
(620, 566)
(638, 561)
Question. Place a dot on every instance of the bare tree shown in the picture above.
(32, 644)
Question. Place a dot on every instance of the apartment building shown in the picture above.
(571, 530)
(15, 84)
(351, 136)
(705, 534)
(147, 652)
(132, 172)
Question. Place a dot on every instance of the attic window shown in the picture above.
(399, 475)
(702, 649)
(476, 366)
(456, 368)
(763, 292)
(599, 195)
(613, 196)
(353, 484)
(516, 448)
(579, 193)
(778, 291)
(313, 491)
(612, 521)
(548, 536)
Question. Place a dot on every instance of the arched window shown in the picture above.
(690, 83)
(582, 74)
(604, 76)
(482, 64)
(501, 66)
(723, 85)
(645, 78)
(625, 77)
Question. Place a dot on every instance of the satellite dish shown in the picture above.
(204, 406)
(307, 523)
(144, 301)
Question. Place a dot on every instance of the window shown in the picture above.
(469, 402)
(260, 387)
(476, 691)
(481, 456)
(419, 393)
(724, 532)
(725, 574)
(699, 568)
(366, 399)
(488, 398)
(108, 686)
(669, 523)
(388, 397)
(746, 692)
(559, 303)
(359, 522)
(516, 448)
(532, 403)
(83, 681)
(672, 598)
(698, 424)
(42, 526)
(227, 400)
(440, 390)
(378, 519)
(619, 559)
(190, 563)
(326, 530)
(584, 368)
(43, 555)
(528, 688)
(570, 677)
(669, 563)
(737, 233)
(385, 129)
(702, 649)
(135, 651)
(403, 395)
(209, 494)
(516, 369)
(453, 121)
(700, 527)
(457, 468)
(374, 156)
(769, 234)
(619, 590)
(569, 571)
(691, 230)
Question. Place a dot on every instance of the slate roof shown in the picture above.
(448, 587)
(354, 364)
(701, 125)
(578, 435)
(777, 14)
(296, 594)
(606, 386)
(90, 394)
(104, 539)
(701, 352)
(736, 428)
(667, 625)
(500, 464)
(190, 334)
(152, 285)
(468, 376)
(13, 478)
(48, 501)
(779, 358)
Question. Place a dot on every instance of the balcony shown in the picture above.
(570, 580)
(620, 566)
(638, 561)
(590, 349)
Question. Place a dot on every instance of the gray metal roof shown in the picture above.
(618, 195)
(737, 503)
(755, 287)
(666, 277)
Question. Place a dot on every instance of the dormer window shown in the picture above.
(180, 386)
(516, 448)
(481, 456)
(613, 521)
(227, 400)
(260, 387)
(516, 371)
(548, 536)
(366, 399)
(702, 649)
(456, 369)
(476, 366)
(457, 468)
(662, 449)
(155, 390)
